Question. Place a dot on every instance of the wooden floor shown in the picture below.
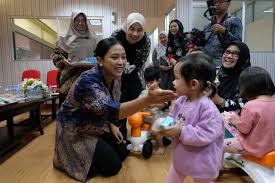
(33, 164)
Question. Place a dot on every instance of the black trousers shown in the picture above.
(62, 98)
(108, 156)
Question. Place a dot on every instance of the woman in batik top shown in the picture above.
(87, 142)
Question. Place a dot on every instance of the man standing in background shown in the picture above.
(221, 30)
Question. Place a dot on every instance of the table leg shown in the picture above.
(53, 108)
(10, 127)
(38, 119)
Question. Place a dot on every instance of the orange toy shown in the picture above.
(140, 135)
(135, 121)
(268, 160)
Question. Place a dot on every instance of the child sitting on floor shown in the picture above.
(255, 125)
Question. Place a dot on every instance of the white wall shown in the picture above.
(259, 35)
(11, 71)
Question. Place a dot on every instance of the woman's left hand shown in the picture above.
(118, 135)
(219, 101)
(172, 131)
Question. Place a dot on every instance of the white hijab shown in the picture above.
(161, 49)
(79, 45)
(134, 18)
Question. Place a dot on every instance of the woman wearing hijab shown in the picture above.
(137, 47)
(235, 59)
(78, 43)
(160, 60)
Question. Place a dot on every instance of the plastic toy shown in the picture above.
(261, 170)
(140, 135)
(167, 122)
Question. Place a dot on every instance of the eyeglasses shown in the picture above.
(233, 53)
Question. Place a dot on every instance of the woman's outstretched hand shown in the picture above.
(157, 95)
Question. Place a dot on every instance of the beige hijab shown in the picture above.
(79, 45)
(134, 18)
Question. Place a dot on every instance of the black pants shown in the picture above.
(108, 156)
(62, 98)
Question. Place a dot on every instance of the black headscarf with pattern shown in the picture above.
(229, 78)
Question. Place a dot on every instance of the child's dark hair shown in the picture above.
(199, 49)
(151, 74)
(199, 66)
(255, 81)
(197, 37)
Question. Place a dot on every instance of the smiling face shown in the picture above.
(163, 39)
(113, 62)
(80, 23)
(134, 33)
(174, 28)
(230, 57)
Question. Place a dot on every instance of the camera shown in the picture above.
(210, 9)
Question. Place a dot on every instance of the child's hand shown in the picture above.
(233, 119)
(172, 131)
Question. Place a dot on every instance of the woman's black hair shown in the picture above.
(151, 74)
(180, 34)
(104, 45)
(199, 66)
(255, 81)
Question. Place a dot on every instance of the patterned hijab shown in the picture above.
(229, 78)
(161, 49)
(79, 45)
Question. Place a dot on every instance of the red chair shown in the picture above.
(52, 80)
(35, 74)
(52, 77)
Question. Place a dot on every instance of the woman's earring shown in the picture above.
(100, 65)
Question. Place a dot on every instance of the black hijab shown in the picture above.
(229, 78)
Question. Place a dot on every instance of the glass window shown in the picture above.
(199, 21)
(250, 13)
(27, 48)
(35, 38)
(170, 16)
(259, 31)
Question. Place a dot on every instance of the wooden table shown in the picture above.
(13, 133)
